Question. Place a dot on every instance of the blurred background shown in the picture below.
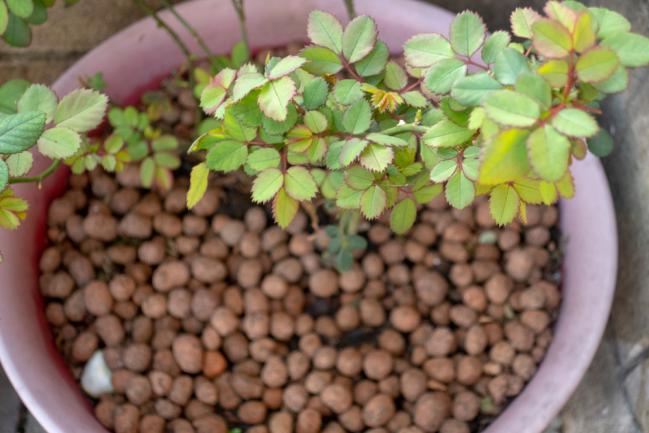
(614, 395)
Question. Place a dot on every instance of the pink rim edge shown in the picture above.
(27, 352)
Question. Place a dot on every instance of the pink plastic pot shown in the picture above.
(137, 56)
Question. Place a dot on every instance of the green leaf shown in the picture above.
(20, 163)
(315, 93)
(443, 170)
(494, 45)
(503, 204)
(197, 184)
(359, 178)
(325, 30)
(509, 65)
(165, 142)
(166, 160)
(446, 134)
(359, 38)
(299, 183)
(443, 74)
(374, 63)
(555, 72)
(522, 20)
(243, 85)
(601, 144)
(504, 158)
(427, 193)
(285, 66)
(4, 174)
(17, 33)
(266, 185)
(373, 202)
(376, 157)
(386, 140)
(609, 22)
(583, 36)
(348, 91)
(529, 190)
(631, 48)
(321, 61)
(460, 191)
(81, 110)
(548, 153)
(147, 172)
(10, 93)
(415, 98)
(395, 77)
(21, 8)
(511, 108)
(227, 156)
(284, 208)
(618, 82)
(315, 121)
(109, 162)
(240, 54)
(263, 158)
(4, 17)
(561, 13)
(348, 198)
(535, 86)
(59, 142)
(38, 97)
(575, 123)
(19, 132)
(551, 39)
(423, 51)
(275, 96)
(471, 168)
(467, 33)
(471, 90)
(403, 216)
(358, 117)
(351, 150)
(274, 127)
(597, 65)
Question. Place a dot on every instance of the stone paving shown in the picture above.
(614, 395)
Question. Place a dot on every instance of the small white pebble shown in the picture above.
(96, 377)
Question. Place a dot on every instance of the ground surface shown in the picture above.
(614, 395)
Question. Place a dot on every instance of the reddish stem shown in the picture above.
(586, 108)
(351, 70)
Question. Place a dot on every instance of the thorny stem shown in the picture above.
(351, 9)
(351, 70)
(241, 14)
(161, 23)
(587, 108)
(38, 179)
(477, 65)
(413, 85)
(199, 39)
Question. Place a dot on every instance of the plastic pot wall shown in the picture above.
(134, 58)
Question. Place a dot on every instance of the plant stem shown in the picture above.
(351, 9)
(161, 23)
(38, 179)
(201, 42)
(241, 14)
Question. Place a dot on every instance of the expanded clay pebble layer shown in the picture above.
(214, 318)
(208, 322)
